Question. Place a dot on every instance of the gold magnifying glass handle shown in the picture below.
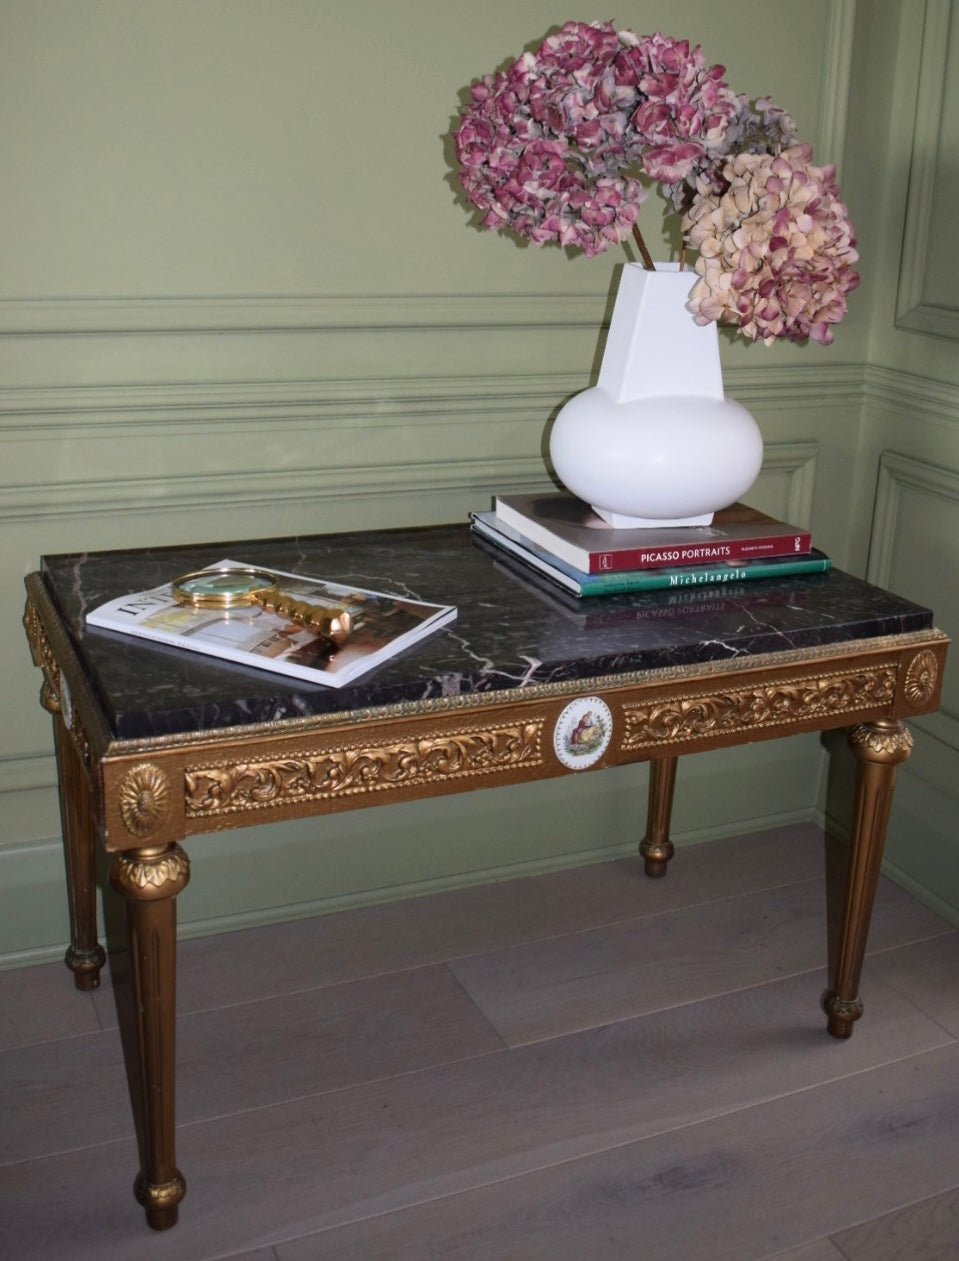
(335, 625)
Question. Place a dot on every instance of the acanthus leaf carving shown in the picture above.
(715, 713)
(881, 743)
(356, 769)
(150, 877)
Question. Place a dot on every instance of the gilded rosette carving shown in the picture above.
(715, 713)
(922, 674)
(356, 769)
(150, 876)
(144, 800)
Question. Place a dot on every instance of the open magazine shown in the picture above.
(382, 626)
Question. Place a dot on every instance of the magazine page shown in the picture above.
(383, 625)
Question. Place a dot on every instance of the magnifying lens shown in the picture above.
(228, 589)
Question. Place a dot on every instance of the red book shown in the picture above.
(570, 529)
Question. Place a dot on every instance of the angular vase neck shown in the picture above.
(655, 348)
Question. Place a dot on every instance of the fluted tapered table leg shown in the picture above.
(656, 847)
(149, 880)
(85, 956)
(879, 748)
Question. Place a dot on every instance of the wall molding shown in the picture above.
(314, 484)
(897, 473)
(378, 403)
(798, 460)
(25, 774)
(165, 495)
(913, 312)
(310, 313)
(932, 401)
(56, 411)
(837, 73)
(312, 413)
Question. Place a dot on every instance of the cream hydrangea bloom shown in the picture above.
(775, 250)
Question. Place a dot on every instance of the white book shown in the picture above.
(383, 625)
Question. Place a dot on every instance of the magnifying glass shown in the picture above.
(228, 589)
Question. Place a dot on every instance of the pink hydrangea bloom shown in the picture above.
(540, 145)
(776, 249)
(685, 111)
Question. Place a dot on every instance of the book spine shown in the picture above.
(733, 551)
(695, 576)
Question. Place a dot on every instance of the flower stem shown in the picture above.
(644, 252)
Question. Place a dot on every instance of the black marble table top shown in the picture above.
(512, 630)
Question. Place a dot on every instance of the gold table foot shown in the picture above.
(160, 1201)
(656, 847)
(656, 855)
(85, 966)
(842, 1014)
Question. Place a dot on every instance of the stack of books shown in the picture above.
(561, 538)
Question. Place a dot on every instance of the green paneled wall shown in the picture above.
(904, 498)
(240, 297)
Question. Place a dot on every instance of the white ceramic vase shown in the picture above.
(656, 442)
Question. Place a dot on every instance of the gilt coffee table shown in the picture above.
(155, 744)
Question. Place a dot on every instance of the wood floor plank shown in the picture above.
(284, 1171)
(331, 949)
(67, 1093)
(927, 1231)
(41, 1003)
(545, 989)
(820, 1250)
(926, 973)
(268, 1254)
(768, 1177)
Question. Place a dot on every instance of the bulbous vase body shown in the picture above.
(656, 442)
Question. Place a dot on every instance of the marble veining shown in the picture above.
(512, 630)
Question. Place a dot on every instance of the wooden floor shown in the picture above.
(585, 1066)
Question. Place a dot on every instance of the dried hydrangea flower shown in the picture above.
(776, 249)
(598, 101)
(685, 114)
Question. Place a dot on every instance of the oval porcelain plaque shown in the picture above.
(583, 732)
